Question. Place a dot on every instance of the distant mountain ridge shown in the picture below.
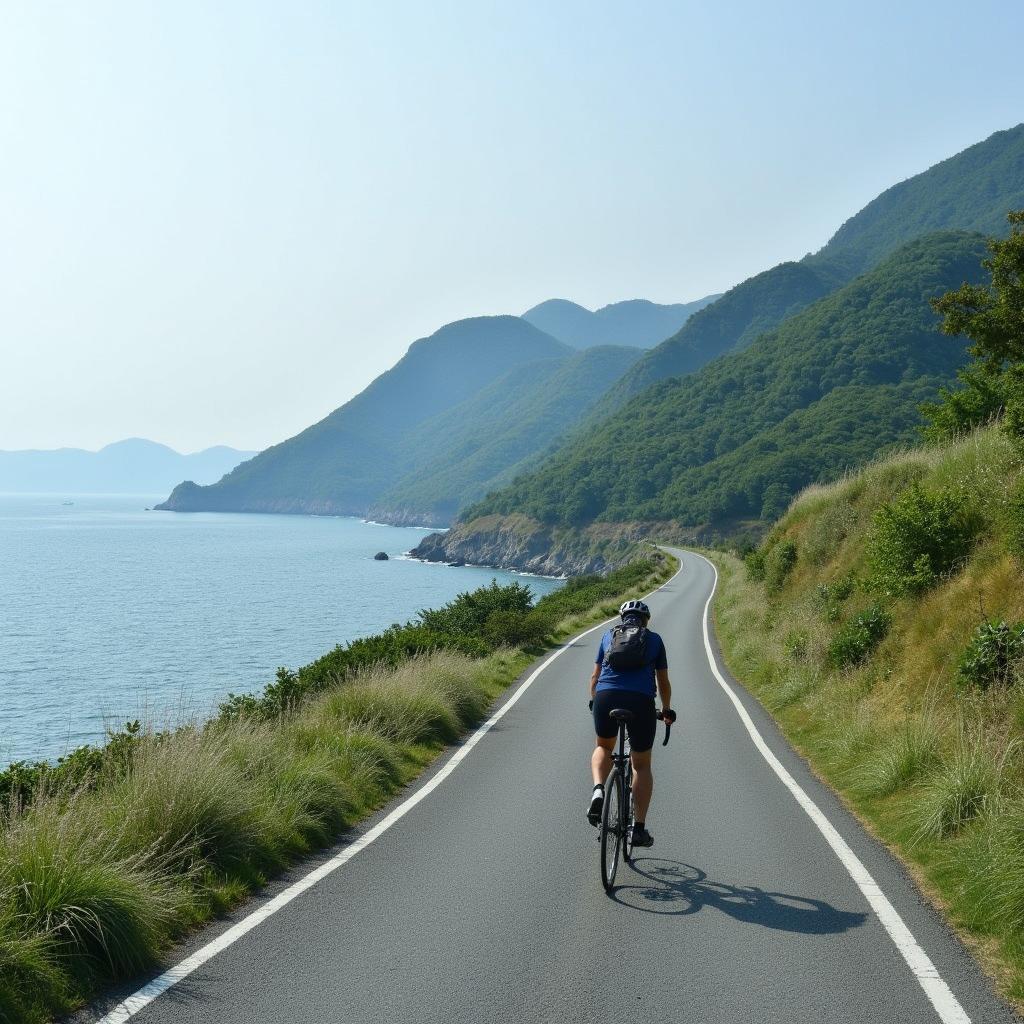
(461, 454)
(342, 464)
(134, 465)
(636, 322)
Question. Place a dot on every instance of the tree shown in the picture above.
(992, 317)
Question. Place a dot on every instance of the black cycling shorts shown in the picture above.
(640, 730)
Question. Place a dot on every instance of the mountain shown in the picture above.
(633, 322)
(829, 389)
(342, 464)
(133, 466)
(480, 444)
(970, 191)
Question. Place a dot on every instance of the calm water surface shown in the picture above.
(109, 612)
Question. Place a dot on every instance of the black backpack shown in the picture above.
(628, 648)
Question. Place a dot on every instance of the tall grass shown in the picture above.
(102, 869)
(908, 756)
(966, 785)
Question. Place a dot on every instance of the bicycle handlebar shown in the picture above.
(668, 724)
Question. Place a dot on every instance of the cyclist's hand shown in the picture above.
(668, 715)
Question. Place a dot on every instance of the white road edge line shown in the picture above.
(946, 1004)
(171, 977)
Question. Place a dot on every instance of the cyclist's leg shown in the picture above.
(643, 783)
(601, 759)
(607, 733)
(642, 732)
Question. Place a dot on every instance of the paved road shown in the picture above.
(484, 902)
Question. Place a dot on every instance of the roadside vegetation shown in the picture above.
(882, 622)
(115, 852)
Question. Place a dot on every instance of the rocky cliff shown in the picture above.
(520, 543)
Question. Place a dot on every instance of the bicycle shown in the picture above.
(617, 814)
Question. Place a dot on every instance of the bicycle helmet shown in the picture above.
(634, 608)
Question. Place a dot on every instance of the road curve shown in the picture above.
(484, 902)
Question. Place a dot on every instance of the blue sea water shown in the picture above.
(109, 612)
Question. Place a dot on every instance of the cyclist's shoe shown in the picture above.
(641, 837)
(595, 808)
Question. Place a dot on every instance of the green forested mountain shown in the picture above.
(480, 444)
(830, 388)
(633, 322)
(732, 322)
(970, 191)
(344, 462)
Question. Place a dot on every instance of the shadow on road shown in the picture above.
(671, 887)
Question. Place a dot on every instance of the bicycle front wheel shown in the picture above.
(611, 829)
(627, 825)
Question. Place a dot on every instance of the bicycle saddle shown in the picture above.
(621, 715)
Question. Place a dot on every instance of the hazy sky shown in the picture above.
(219, 221)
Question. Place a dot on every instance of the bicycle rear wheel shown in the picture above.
(611, 828)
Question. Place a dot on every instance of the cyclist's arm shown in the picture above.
(593, 680)
(664, 688)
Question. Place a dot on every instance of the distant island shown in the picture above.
(131, 466)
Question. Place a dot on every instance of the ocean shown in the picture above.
(109, 612)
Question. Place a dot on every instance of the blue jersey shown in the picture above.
(639, 680)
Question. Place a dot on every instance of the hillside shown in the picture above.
(132, 466)
(343, 463)
(633, 322)
(970, 191)
(882, 622)
(480, 444)
(732, 322)
(830, 388)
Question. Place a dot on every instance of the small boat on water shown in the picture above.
(67, 503)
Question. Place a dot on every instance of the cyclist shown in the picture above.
(631, 663)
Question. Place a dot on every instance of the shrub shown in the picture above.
(468, 613)
(832, 595)
(779, 562)
(917, 538)
(859, 637)
(755, 565)
(994, 651)
(510, 628)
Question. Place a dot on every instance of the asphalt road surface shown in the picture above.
(484, 902)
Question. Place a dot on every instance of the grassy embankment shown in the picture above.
(880, 621)
(109, 857)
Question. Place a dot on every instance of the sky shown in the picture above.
(218, 222)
